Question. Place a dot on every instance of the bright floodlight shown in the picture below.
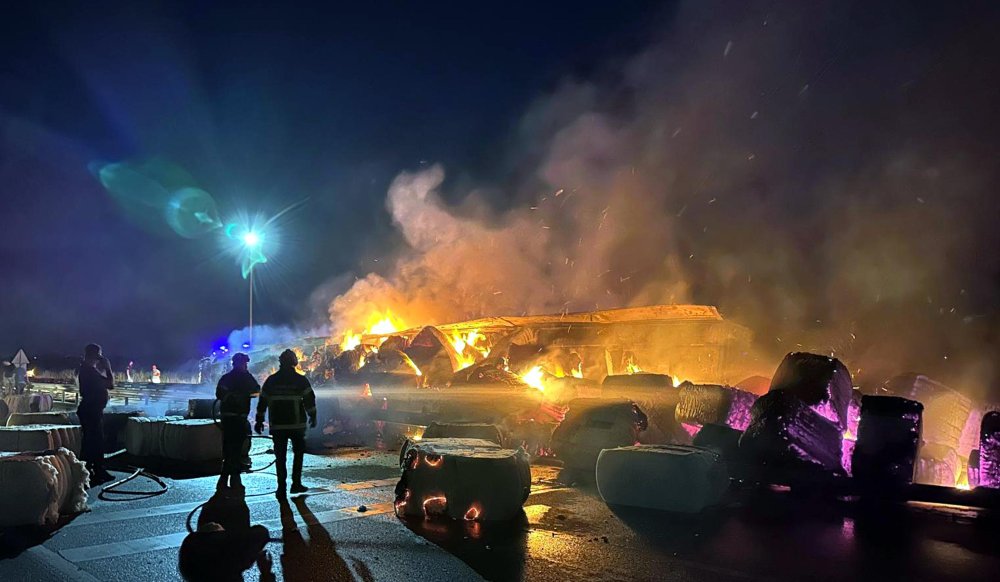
(251, 239)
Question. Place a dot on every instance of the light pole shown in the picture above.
(251, 240)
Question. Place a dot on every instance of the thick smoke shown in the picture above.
(825, 176)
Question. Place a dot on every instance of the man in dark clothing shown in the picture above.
(289, 398)
(95, 379)
(234, 391)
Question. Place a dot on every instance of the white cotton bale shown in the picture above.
(40, 402)
(26, 418)
(192, 440)
(37, 488)
(18, 403)
(144, 435)
(40, 437)
(462, 480)
(676, 478)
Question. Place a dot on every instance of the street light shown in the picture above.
(251, 240)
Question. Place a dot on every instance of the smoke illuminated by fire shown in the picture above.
(720, 165)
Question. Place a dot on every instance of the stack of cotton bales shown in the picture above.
(463, 480)
(172, 437)
(38, 487)
(40, 437)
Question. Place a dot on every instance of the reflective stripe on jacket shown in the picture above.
(288, 398)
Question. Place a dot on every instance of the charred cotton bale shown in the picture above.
(788, 439)
(946, 412)
(712, 404)
(451, 442)
(821, 382)
(725, 440)
(885, 454)
(592, 425)
(448, 478)
(677, 478)
(40, 437)
(39, 487)
(654, 394)
(989, 451)
(972, 469)
(464, 430)
(433, 353)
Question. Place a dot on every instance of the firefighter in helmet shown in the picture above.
(234, 391)
(288, 398)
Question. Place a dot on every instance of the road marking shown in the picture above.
(368, 484)
(171, 541)
(58, 563)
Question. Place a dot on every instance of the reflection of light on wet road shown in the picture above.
(535, 513)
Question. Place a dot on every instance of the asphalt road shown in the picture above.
(567, 533)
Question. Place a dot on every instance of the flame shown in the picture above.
(31, 373)
(633, 368)
(381, 324)
(469, 347)
(676, 381)
(473, 513)
(533, 378)
(577, 372)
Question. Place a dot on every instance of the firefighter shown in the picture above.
(288, 398)
(96, 379)
(234, 391)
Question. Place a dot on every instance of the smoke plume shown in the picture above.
(825, 175)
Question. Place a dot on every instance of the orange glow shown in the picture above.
(473, 513)
(436, 462)
(435, 504)
(533, 378)
(469, 347)
(676, 381)
(381, 324)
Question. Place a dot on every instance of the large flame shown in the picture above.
(533, 378)
(379, 323)
(470, 347)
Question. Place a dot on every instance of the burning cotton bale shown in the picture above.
(946, 412)
(821, 382)
(989, 451)
(451, 478)
(434, 355)
(788, 439)
(490, 371)
(592, 425)
(888, 440)
(972, 469)
(676, 478)
(452, 442)
(712, 404)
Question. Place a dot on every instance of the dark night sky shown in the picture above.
(264, 105)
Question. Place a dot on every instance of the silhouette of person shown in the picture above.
(96, 379)
(234, 391)
(287, 397)
(225, 544)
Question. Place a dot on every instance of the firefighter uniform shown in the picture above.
(234, 391)
(95, 379)
(288, 399)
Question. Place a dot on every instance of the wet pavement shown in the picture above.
(567, 533)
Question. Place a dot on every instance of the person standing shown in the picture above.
(288, 398)
(96, 379)
(234, 391)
